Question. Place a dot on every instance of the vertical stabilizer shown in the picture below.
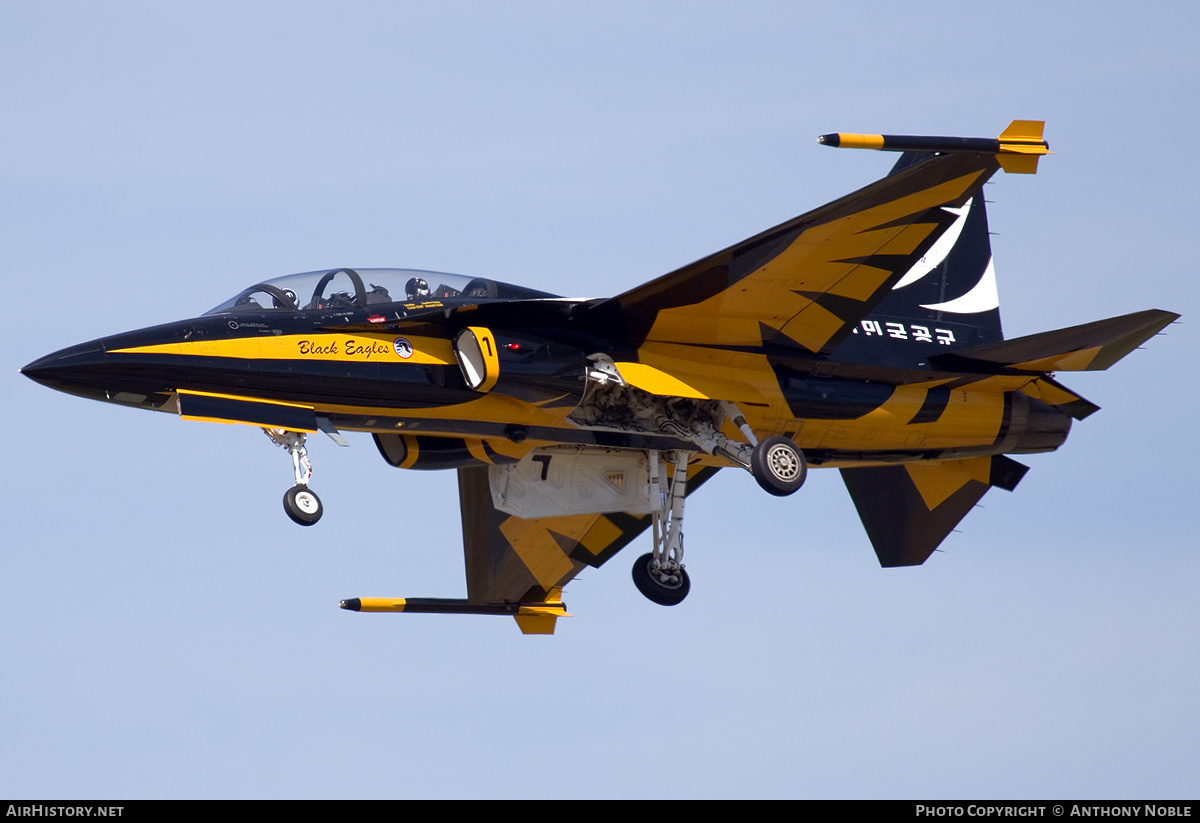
(948, 299)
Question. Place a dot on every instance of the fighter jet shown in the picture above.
(863, 336)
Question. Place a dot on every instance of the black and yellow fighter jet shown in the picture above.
(864, 335)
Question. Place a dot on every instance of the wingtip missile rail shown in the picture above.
(1017, 148)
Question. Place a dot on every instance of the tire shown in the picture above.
(302, 505)
(654, 589)
(778, 466)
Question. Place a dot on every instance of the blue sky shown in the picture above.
(168, 632)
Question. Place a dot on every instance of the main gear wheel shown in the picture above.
(778, 466)
(661, 585)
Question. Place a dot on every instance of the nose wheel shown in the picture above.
(300, 502)
(302, 505)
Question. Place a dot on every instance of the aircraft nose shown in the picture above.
(111, 370)
(62, 368)
(88, 370)
(39, 369)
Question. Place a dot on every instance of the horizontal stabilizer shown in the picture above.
(909, 510)
(1090, 347)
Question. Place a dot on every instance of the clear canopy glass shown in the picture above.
(361, 288)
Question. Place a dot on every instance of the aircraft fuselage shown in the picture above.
(404, 379)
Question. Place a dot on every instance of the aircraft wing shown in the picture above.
(512, 560)
(807, 283)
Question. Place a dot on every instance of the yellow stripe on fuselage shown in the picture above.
(341, 347)
(245, 398)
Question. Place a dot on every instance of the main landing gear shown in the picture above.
(300, 502)
(776, 463)
(661, 585)
(778, 466)
(660, 575)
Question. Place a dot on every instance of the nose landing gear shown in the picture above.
(300, 502)
(302, 505)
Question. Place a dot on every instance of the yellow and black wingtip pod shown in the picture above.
(1017, 149)
(532, 618)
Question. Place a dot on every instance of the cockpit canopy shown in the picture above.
(351, 289)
